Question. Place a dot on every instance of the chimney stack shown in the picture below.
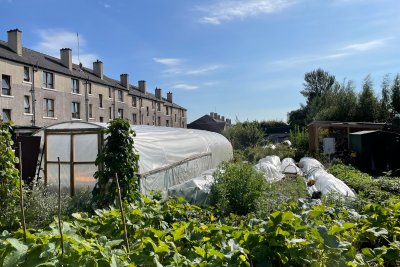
(158, 93)
(169, 97)
(15, 41)
(98, 69)
(222, 118)
(66, 57)
(142, 86)
(212, 114)
(125, 80)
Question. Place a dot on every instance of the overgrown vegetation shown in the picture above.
(118, 157)
(9, 180)
(243, 135)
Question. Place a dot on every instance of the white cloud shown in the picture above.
(227, 10)
(185, 86)
(169, 61)
(203, 70)
(52, 40)
(365, 46)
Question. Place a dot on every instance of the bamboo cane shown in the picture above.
(59, 206)
(122, 213)
(21, 193)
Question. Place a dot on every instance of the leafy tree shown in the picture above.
(117, 157)
(298, 116)
(384, 103)
(245, 134)
(367, 109)
(316, 83)
(395, 99)
(9, 180)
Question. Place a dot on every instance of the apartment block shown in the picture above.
(39, 90)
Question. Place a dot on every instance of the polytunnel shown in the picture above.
(167, 156)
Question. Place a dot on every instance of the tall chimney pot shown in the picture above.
(169, 97)
(15, 41)
(98, 69)
(142, 86)
(66, 57)
(158, 93)
(125, 80)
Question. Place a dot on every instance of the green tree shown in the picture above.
(9, 180)
(395, 99)
(117, 157)
(316, 83)
(384, 103)
(244, 134)
(298, 116)
(367, 108)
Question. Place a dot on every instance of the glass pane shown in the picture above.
(52, 176)
(84, 176)
(85, 147)
(58, 146)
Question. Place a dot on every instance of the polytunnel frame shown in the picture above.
(72, 162)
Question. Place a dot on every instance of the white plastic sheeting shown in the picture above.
(324, 182)
(196, 190)
(167, 156)
(288, 166)
(270, 167)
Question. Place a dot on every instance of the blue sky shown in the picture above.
(243, 59)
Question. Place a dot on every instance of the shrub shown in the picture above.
(9, 180)
(299, 139)
(243, 135)
(237, 188)
(254, 154)
(117, 157)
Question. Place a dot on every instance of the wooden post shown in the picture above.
(21, 193)
(59, 206)
(122, 213)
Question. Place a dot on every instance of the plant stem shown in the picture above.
(21, 196)
(122, 213)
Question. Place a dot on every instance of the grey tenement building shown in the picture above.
(38, 90)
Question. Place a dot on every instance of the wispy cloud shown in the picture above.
(345, 51)
(227, 10)
(107, 5)
(169, 61)
(52, 40)
(177, 66)
(365, 46)
(184, 86)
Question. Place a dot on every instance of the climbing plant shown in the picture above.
(118, 157)
(9, 179)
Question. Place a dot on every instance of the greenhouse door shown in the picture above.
(77, 151)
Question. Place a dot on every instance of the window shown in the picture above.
(120, 96)
(48, 107)
(141, 102)
(167, 110)
(6, 115)
(27, 77)
(175, 117)
(48, 81)
(90, 110)
(134, 104)
(101, 119)
(120, 113)
(5, 85)
(159, 121)
(75, 110)
(134, 118)
(152, 104)
(167, 123)
(75, 86)
(27, 104)
(154, 123)
(109, 92)
(110, 112)
(100, 100)
(141, 119)
(147, 109)
(158, 106)
(89, 88)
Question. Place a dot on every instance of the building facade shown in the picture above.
(39, 90)
(213, 123)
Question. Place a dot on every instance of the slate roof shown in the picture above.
(207, 123)
(45, 62)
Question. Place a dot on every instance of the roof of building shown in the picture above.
(207, 123)
(42, 61)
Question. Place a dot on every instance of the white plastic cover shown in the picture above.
(308, 164)
(270, 171)
(327, 183)
(274, 160)
(196, 190)
(288, 166)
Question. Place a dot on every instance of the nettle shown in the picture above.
(9, 180)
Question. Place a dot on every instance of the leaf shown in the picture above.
(213, 252)
(368, 252)
(201, 252)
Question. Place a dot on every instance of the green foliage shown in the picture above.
(254, 154)
(395, 94)
(316, 83)
(299, 139)
(367, 108)
(9, 180)
(237, 188)
(246, 134)
(118, 156)
(384, 103)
